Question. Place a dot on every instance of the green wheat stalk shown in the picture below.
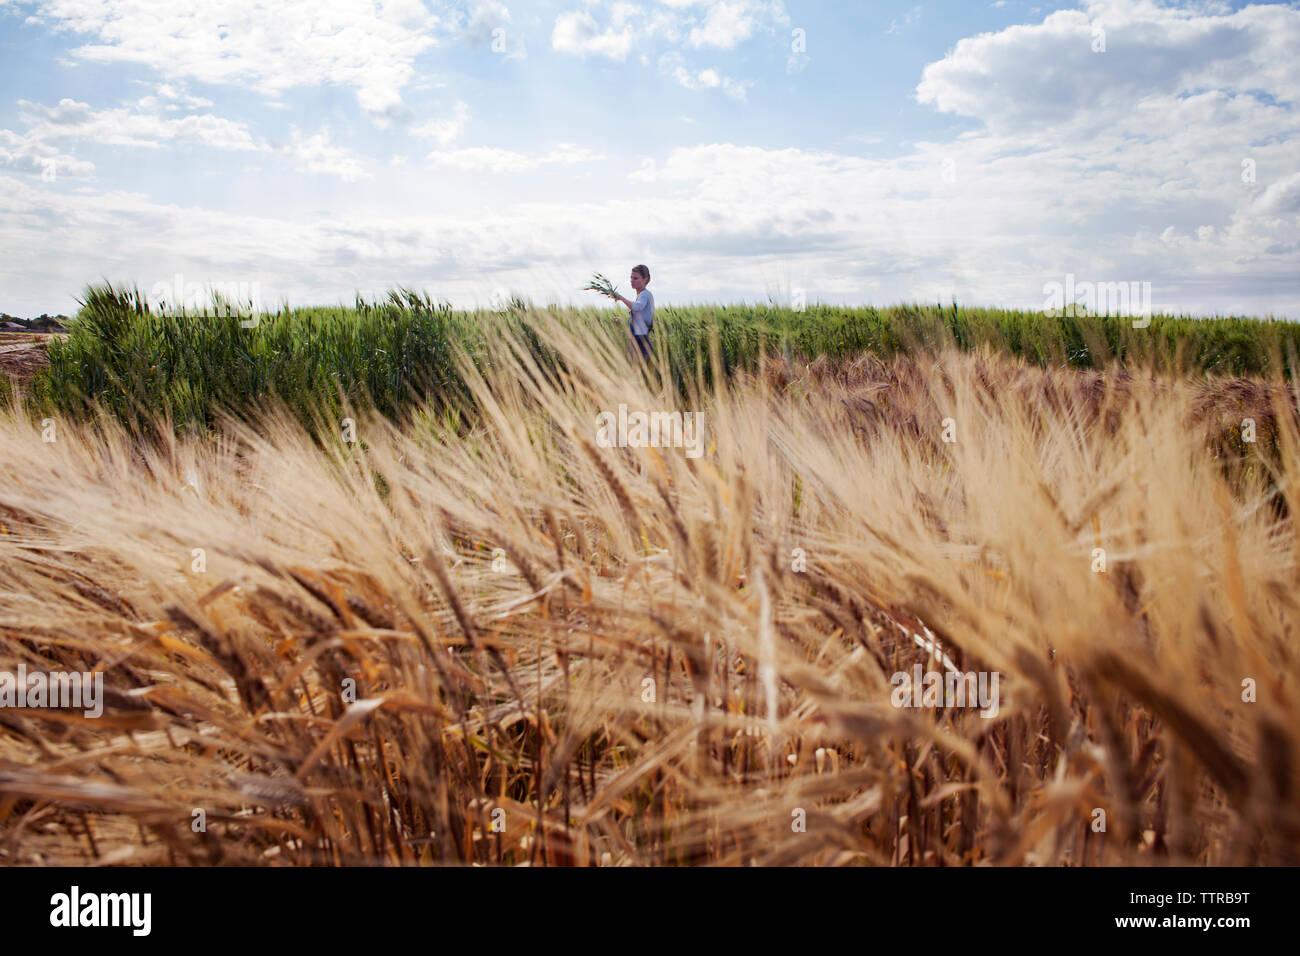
(602, 285)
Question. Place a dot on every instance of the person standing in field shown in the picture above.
(641, 314)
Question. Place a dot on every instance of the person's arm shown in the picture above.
(642, 301)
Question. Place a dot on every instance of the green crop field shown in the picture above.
(401, 351)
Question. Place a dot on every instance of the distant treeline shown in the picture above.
(42, 323)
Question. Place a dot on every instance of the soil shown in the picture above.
(22, 355)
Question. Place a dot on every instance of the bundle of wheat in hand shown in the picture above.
(602, 285)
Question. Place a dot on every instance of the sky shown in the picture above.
(745, 150)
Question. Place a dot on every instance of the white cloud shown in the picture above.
(622, 14)
(172, 98)
(672, 65)
(24, 155)
(486, 16)
(307, 260)
(725, 25)
(444, 130)
(1280, 199)
(71, 120)
(577, 32)
(720, 24)
(676, 24)
(1012, 220)
(491, 159)
(896, 26)
(1028, 75)
(488, 24)
(271, 47)
(33, 150)
(123, 127)
(318, 155)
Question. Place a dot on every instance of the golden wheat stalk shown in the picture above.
(569, 647)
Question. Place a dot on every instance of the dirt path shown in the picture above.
(23, 354)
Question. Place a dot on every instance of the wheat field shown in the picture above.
(402, 642)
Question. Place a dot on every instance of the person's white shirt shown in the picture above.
(643, 313)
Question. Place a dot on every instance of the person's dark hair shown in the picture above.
(642, 271)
